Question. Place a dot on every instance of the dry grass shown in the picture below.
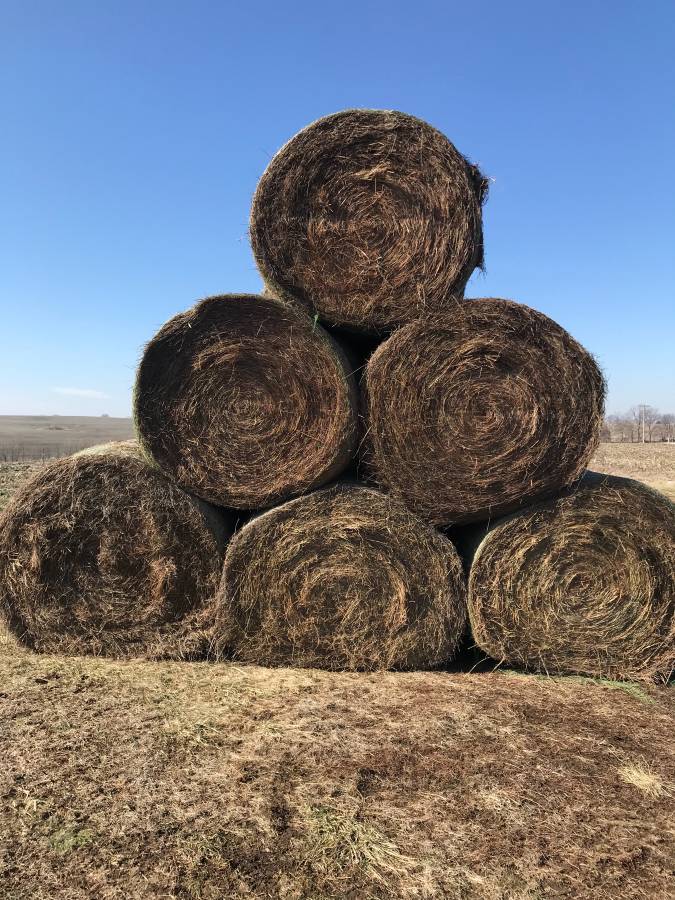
(480, 411)
(346, 579)
(134, 781)
(100, 554)
(584, 583)
(642, 776)
(654, 464)
(246, 402)
(12, 474)
(370, 218)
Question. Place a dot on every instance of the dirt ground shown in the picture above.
(652, 463)
(141, 780)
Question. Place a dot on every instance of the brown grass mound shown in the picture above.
(481, 410)
(370, 217)
(584, 583)
(140, 781)
(245, 402)
(100, 554)
(344, 579)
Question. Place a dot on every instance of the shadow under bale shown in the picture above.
(370, 218)
(100, 554)
(581, 584)
(474, 413)
(343, 579)
(245, 402)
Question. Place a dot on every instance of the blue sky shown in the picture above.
(134, 133)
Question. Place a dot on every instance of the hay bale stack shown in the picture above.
(344, 579)
(100, 554)
(370, 218)
(245, 402)
(479, 411)
(581, 584)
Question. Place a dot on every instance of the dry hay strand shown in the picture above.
(581, 584)
(245, 401)
(100, 554)
(370, 218)
(481, 410)
(343, 579)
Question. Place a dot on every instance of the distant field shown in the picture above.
(652, 463)
(27, 438)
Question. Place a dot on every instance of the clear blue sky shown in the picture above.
(134, 133)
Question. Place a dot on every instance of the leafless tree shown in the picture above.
(640, 423)
(668, 423)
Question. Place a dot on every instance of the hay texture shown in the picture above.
(584, 583)
(343, 579)
(479, 411)
(245, 402)
(370, 218)
(100, 554)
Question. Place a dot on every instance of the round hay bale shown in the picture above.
(245, 401)
(581, 584)
(369, 217)
(100, 554)
(479, 411)
(343, 579)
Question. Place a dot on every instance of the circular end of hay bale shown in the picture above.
(100, 554)
(245, 401)
(581, 584)
(479, 411)
(369, 217)
(343, 579)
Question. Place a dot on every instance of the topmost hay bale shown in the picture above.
(245, 401)
(370, 218)
(101, 554)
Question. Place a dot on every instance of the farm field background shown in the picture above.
(26, 442)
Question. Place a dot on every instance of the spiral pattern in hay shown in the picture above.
(245, 402)
(100, 554)
(474, 413)
(344, 579)
(370, 218)
(584, 583)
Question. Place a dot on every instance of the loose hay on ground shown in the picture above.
(474, 413)
(584, 583)
(345, 578)
(370, 218)
(134, 781)
(100, 554)
(245, 402)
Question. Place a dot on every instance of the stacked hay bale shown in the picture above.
(361, 362)
(101, 554)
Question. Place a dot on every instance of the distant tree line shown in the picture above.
(642, 423)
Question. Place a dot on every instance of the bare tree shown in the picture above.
(668, 423)
(644, 418)
(650, 418)
(619, 427)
